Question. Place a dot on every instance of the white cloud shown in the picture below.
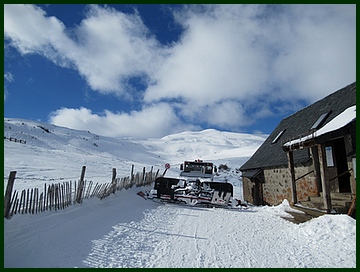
(154, 121)
(232, 63)
(107, 48)
(29, 29)
(114, 47)
(8, 78)
(214, 60)
(319, 50)
(250, 53)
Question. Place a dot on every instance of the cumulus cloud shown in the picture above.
(107, 48)
(114, 47)
(154, 121)
(29, 28)
(318, 54)
(231, 64)
(251, 53)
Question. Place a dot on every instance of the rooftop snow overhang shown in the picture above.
(336, 124)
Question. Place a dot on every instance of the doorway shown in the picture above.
(342, 166)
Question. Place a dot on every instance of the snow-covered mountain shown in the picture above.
(127, 231)
(44, 152)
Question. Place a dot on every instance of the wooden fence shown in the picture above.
(60, 196)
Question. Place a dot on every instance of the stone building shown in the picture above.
(310, 157)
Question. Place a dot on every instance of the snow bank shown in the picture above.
(127, 231)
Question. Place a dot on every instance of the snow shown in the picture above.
(125, 230)
(338, 122)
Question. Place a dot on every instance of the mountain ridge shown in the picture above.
(53, 152)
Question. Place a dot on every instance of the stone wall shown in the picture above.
(277, 185)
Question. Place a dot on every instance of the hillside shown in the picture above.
(49, 153)
(127, 231)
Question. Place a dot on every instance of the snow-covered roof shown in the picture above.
(338, 122)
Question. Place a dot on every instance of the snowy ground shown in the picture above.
(125, 230)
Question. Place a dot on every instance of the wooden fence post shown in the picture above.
(30, 201)
(143, 176)
(59, 196)
(8, 193)
(113, 180)
(132, 173)
(81, 185)
(45, 195)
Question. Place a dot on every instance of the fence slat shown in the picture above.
(27, 200)
(40, 208)
(22, 201)
(15, 199)
(36, 196)
(61, 195)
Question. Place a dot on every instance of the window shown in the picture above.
(320, 120)
(278, 136)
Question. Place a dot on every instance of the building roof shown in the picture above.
(340, 121)
(301, 123)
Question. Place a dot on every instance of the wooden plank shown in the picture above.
(8, 193)
(40, 208)
(291, 166)
(44, 204)
(60, 196)
(75, 192)
(352, 207)
(35, 200)
(56, 198)
(94, 190)
(143, 176)
(48, 198)
(31, 200)
(88, 190)
(324, 182)
(27, 200)
(67, 194)
(132, 172)
(52, 196)
(22, 201)
(13, 199)
(315, 157)
(14, 206)
(79, 193)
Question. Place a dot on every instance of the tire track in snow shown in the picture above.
(174, 236)
(131, 244)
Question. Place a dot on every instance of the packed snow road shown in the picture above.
(125, 230)
(183, 236)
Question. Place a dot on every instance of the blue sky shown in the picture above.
(152, 70)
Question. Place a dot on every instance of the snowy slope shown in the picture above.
(125, 230)
(53, 153)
